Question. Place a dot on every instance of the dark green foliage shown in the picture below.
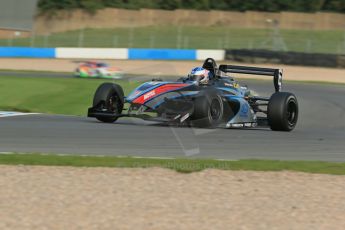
(195, 4)
(91, 5)
(334, 5)
(234, 5)
(168, 5)
(62, 4)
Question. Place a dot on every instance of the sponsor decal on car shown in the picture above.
(241, 125)
(157, 91)
(236, 85)
(229, 84)
(149, 95)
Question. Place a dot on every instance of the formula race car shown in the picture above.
(93, 69)
(217, 101)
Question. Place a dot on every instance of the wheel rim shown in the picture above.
(291, 113)
(215, 110)
(113, 102)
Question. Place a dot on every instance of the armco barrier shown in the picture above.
(287, 58)
(112, 53)
(27, 52)
(240, 55)
(102, 53)
(161, 54)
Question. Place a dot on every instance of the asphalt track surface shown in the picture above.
(319, 135)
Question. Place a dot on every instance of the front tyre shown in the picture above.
(109, 97)
(208, 111)
(282, 111)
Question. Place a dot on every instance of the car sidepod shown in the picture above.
(169, 99)
(242, 114)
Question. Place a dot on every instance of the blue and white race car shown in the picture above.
(207, 97)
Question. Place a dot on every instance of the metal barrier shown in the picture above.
(288, 58)
(112, 53)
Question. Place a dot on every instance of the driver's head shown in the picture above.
(199, 75)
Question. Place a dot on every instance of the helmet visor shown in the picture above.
(197, 78)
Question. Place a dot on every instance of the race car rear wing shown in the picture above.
(277, 74)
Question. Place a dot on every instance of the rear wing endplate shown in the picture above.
(277, 74)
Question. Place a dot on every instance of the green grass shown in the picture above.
(51, 95)
(194, 37)
(180, 165)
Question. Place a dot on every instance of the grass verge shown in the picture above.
(52, 95)
(179, 164)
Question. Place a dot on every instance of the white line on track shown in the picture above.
(14, 114)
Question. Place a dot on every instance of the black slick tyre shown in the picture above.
(282, 111)
(208, 111)
(110, 98)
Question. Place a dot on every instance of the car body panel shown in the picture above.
(154, 93)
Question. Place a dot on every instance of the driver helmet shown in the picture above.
(199, 75)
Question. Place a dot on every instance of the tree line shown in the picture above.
(227, 5)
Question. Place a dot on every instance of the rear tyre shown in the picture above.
(282, 111)
(208, 111)
(109, 97)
